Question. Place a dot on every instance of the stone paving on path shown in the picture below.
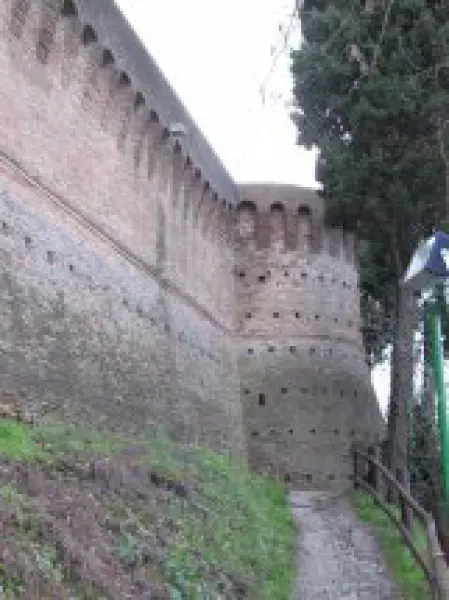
(339, 558)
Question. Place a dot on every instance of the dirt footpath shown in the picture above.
(338, 557)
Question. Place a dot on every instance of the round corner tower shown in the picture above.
(305, 386)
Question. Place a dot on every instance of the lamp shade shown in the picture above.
(430, 263)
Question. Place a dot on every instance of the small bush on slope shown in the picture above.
(93, 516)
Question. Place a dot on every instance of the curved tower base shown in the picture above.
(305, 386)
(305, 401)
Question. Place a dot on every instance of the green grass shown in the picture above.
(16, 441)
(251, 529)
(235, 532)
(407, 573)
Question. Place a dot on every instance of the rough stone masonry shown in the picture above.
(140, 286)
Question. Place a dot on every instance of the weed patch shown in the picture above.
(114, 518)
(407, 573)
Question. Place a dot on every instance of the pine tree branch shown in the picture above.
(378, 47)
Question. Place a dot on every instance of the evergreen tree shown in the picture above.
(371, 86)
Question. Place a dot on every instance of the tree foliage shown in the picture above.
(371, 84)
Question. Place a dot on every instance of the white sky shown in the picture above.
(217, 55)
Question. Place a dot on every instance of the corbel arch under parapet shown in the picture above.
(107, 58)
(123, 99)
(277, 207)
(69, 9)
(199, 197)
(51, 12)
(349, 246)
(178, 175)
(304, 227)
(19, 15)
(140, 117)
(304, 210)
(72, 29)
(247, 205)
(88, 35)
(205, 209)
(246, 219)
(277, 225)
(99, 82)
(334, 241)
(96, 61)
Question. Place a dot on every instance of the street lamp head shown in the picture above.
(430, 263)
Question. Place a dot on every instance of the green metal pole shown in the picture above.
(438, 367)
(411, 407)
(427, 328)
(410, 403)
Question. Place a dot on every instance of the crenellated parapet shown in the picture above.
(133, 159)
(118, 71)
(287, 219)
(294, 275)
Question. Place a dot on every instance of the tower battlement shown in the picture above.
(288, 218)
(294, 275)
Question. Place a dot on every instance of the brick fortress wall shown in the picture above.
(117, 296)
(305, 386)
(139, 285)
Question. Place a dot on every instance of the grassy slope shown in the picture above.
(93, 517)
(410, 578)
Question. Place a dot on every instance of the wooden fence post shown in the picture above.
(405, 509)
(356, 467)
(438, 564)
(370, 469)
(378, 483)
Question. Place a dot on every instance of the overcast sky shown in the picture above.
(217, 56)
